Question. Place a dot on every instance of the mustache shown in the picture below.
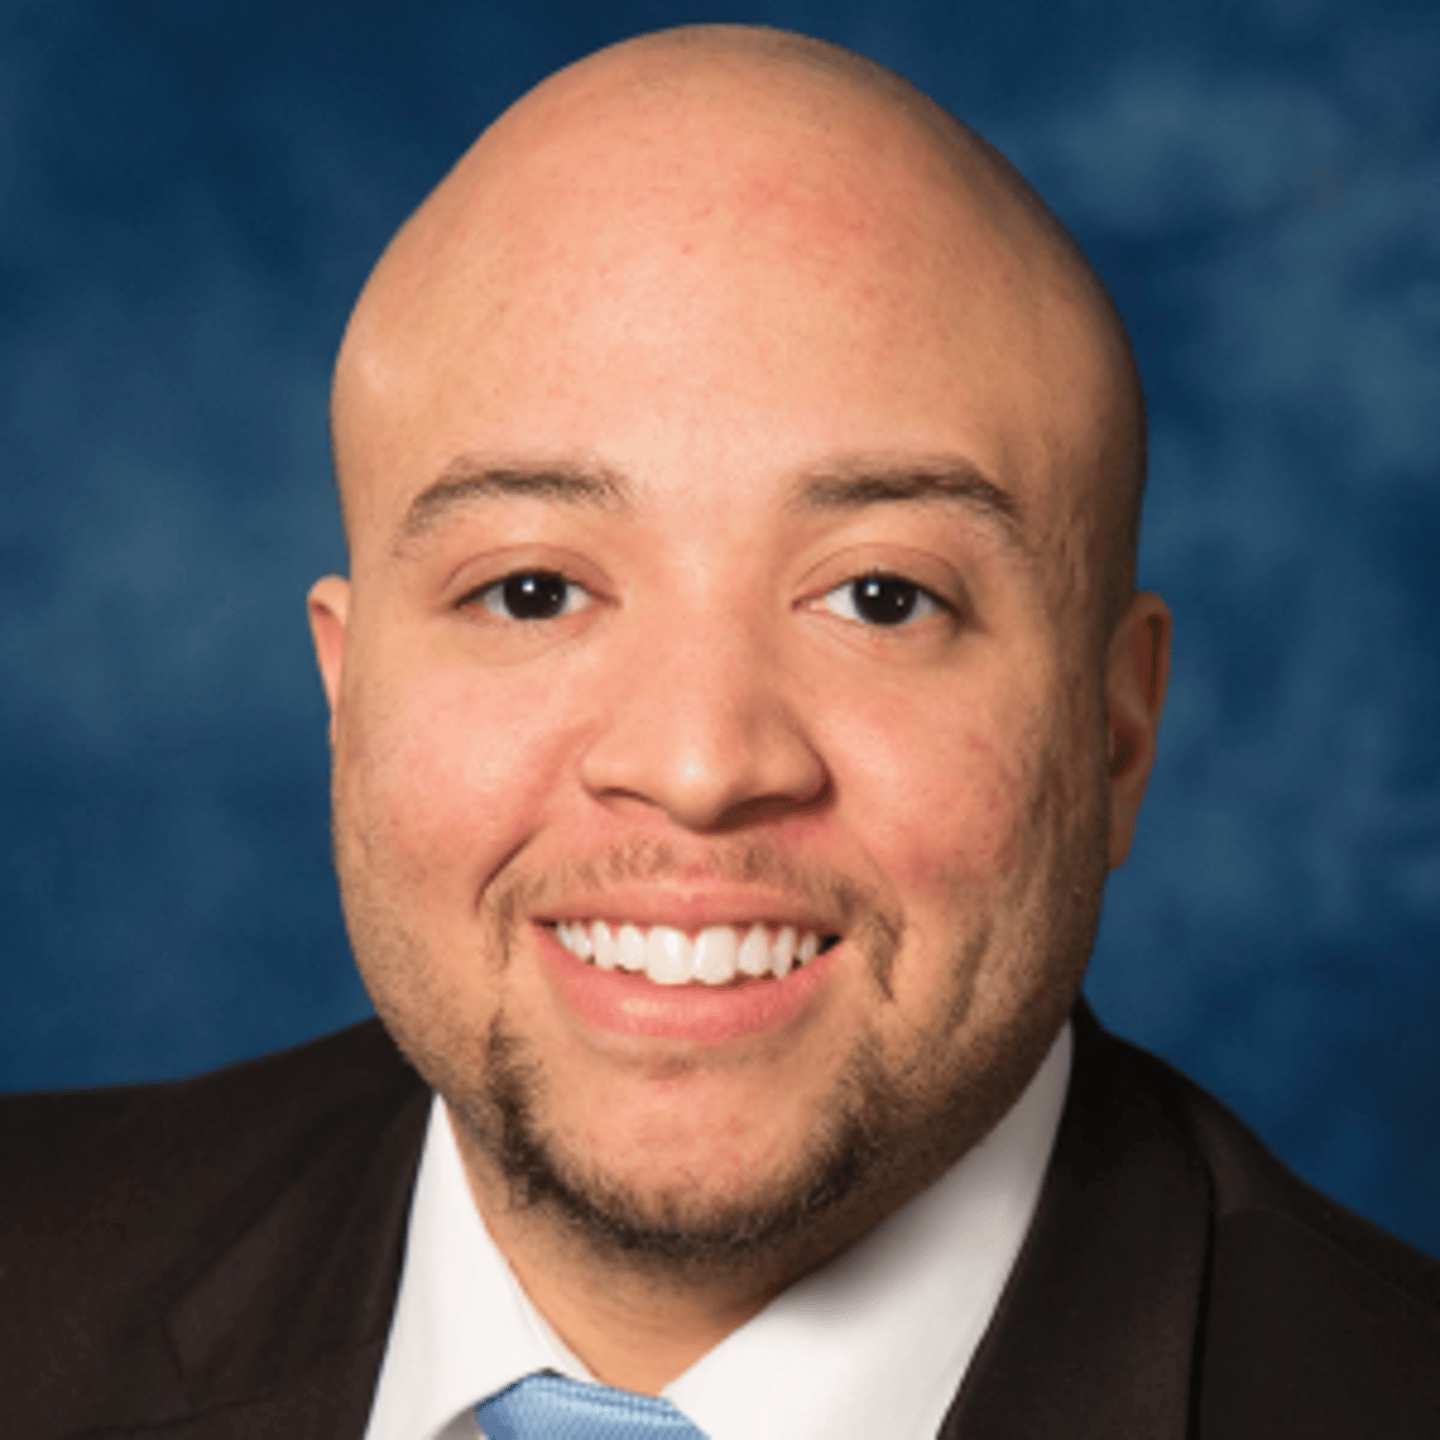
(862, 912)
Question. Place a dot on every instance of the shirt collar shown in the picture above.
(463, 1328)
(874, 1342)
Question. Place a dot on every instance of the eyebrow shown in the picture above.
(949, 482)
(465, 481)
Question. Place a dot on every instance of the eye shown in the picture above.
(532, 595)
(889, 600)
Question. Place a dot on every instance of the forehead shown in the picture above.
(711, 287)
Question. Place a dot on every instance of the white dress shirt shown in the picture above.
(872, 1344)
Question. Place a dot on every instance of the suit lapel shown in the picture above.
(329, 1401)
(1096, 1332)
(280, 1333)
(284, 1333)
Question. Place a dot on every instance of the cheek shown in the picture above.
(446, 774)
(939, 805)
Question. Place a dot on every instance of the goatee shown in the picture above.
(665, 1233)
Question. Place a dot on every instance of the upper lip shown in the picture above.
(691, 911)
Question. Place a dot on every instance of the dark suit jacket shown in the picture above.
(218, 1259)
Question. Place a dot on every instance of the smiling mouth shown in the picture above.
(718, 955)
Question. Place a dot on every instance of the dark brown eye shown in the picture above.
(886, 600)
(532, 595)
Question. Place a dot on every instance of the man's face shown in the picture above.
(707, 594)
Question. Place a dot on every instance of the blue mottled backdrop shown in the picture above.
(191, 192)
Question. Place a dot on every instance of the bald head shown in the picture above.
(668, 163)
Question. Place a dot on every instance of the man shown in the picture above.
(738, 697)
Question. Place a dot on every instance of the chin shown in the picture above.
(690, 1221)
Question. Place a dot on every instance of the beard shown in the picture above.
(886, 1127)
(678, 1233)
(499, 1098)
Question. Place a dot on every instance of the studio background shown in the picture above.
(191, 193)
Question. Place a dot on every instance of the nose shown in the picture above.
(706, 729)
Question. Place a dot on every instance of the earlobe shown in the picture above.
(328, 605)
(1138, 671)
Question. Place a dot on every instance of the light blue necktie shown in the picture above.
(549, 1407)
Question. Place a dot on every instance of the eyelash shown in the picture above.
(907, 601)
(913, 604)
(502, 597)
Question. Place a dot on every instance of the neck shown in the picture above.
(630, 1330)
(635, 1326)
(636, 1322)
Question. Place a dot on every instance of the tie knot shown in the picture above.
(549, 1407)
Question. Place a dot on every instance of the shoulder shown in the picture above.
(1314, 1322)
(112, 1202)
(132, 1144)
(1318, 1322)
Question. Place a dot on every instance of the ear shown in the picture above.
(1137, 672)
(328, 604)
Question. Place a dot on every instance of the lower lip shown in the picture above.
(624, 1003)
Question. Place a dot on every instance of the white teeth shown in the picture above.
(601, 941)
(630, 948)
(754, 956)
(783, 952)
(668, 956)
(576, 939)
(715, 955)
